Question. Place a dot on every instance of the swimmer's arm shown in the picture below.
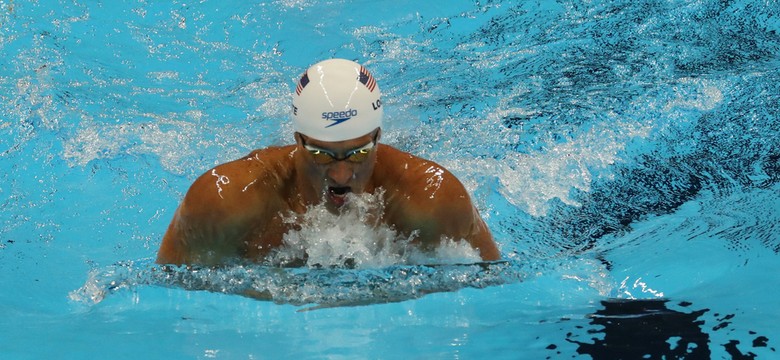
(173, 249)
(194, 237)
(209, 226)
(451, 214)
(460, 220)
(480, 238)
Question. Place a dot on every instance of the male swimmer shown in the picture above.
(240, 210)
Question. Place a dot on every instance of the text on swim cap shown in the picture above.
(339, 116)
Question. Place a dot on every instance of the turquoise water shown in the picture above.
(624, 154)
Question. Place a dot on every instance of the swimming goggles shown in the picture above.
(322, 156)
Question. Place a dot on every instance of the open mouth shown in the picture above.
(339, 190)
(337, 194)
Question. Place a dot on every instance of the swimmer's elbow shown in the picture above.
(489, 252)
(165, 259)
(482, 240)
(169, 253)
(173, 247)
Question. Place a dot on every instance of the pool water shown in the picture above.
(624, 154)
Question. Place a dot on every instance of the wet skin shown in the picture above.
(236, 210)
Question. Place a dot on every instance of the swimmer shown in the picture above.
(240, 210)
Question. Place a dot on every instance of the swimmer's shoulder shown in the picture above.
(251, 176)
(428, 198)
(273, 153)
(417, 177)
(397, 164)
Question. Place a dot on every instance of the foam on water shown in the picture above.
(168, 139)
(299, 286)
(562, 167)
(353, 238)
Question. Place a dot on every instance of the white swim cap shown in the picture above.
(336, 100)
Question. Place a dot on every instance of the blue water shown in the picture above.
(624, 154)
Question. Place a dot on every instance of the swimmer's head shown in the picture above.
(336, 100)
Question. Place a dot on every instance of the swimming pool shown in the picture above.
(624, 154)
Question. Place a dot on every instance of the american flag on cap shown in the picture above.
(367, 79)
(302, 83)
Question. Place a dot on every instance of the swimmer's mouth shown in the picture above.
(338, 194)
(339, 190)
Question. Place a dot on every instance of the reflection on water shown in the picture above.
(648, 329)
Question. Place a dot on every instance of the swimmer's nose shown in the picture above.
(340, 172)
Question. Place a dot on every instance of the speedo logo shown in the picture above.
(339, 116)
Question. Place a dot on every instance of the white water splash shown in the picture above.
(697, 94)
(530, 181)
(167, 139)
(353, 238)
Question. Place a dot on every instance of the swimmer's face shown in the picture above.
(334, 169)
